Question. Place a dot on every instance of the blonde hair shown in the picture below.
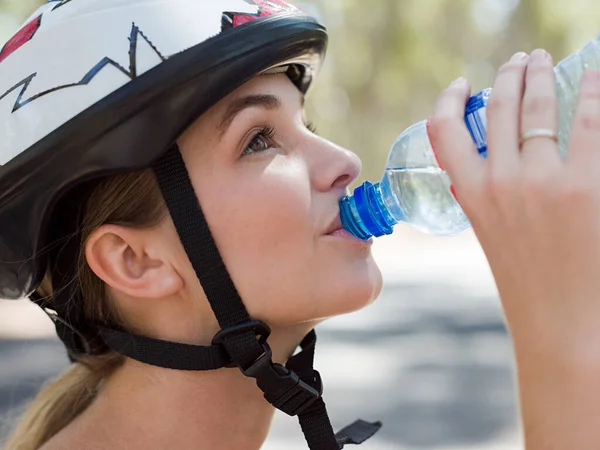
(132, 200)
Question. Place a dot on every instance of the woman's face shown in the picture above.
(269, 189)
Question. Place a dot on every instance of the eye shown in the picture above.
(263, 140)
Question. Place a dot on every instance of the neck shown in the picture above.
(218, 409)
(142, 406)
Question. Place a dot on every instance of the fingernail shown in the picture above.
(520, 56)
(540, 54)
(460, 81)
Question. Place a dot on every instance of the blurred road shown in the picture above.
(430, 358)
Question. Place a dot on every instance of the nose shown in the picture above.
(333, 167)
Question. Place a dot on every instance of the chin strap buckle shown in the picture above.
(282, 387)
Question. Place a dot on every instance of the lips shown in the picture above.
(335, 225)
(338, 232)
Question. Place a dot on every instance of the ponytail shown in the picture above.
(61, 401)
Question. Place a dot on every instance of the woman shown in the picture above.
(110, 142)
(124, 260)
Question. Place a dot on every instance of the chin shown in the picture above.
(349, 288)
(358, 290)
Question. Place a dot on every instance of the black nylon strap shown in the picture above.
(161, 353)
(314, 421)
(238, 342)
(243, 347)
(357, 432)
(197, 240)
(66, 304)
(202, 251)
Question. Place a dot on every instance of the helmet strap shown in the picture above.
(295, 388)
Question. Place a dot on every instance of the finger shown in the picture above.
(450, 137)
(539, 111)
(504, 111)
(584, 147)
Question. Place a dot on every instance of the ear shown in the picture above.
(126, 259)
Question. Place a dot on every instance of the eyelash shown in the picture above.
(311, 127)
(269, 134)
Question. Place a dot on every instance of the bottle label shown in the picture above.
(476, 119)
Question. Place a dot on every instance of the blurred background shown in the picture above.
(431, 357)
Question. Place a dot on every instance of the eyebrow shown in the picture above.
(265, 101)
(240, 104)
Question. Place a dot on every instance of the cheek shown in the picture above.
(262, 223)
(264, 226)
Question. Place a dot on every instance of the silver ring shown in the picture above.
(538, 132)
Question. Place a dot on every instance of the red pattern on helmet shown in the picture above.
(265, 8)
(23, 35)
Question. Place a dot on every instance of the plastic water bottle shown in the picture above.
(414, 189)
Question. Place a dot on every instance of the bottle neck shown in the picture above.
(364, 213)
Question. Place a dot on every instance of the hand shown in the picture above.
(537, 217)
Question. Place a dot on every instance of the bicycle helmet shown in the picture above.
(92, 88)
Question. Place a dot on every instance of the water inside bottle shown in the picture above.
(425, 199)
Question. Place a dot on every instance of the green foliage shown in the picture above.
(389, 59)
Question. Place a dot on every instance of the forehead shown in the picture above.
(278, 85)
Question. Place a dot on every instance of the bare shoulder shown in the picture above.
(74, 437)
(62, 442)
